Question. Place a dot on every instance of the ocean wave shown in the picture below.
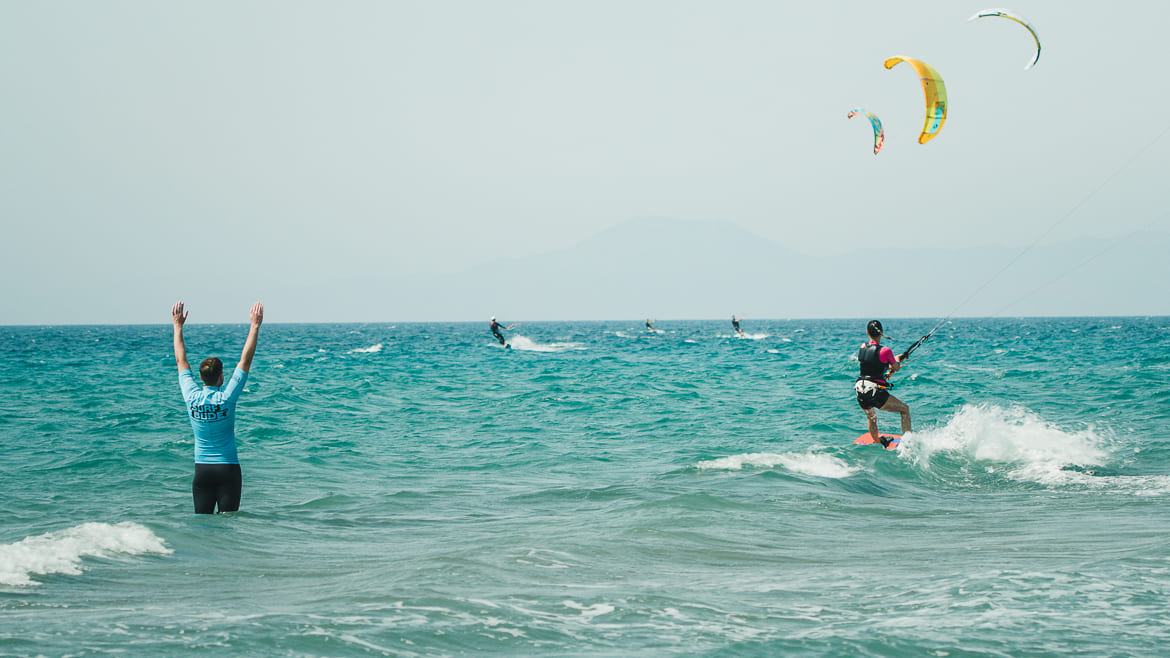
(372, 349)
(806, 463)
(61, 552)
(1026, 447)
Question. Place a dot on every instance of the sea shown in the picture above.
(414, 489)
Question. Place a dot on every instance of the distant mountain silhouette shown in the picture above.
(665, 268)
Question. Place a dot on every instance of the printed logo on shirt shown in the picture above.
(208, 412)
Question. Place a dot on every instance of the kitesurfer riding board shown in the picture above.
(735, 325)
(872, 386)
(496, 329)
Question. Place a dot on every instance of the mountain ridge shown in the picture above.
(675, 269)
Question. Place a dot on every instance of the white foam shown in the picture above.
(529, 345)
(1133, 485)
(546, 559)
(1030, 448)
(744, 336)
(62, 551)
(591, 611)
(808, 463)
(372, 349)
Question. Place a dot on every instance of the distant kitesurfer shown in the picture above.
(735, 323)
(212, 410)
(650, 325)
(877, 364)
(496, 331)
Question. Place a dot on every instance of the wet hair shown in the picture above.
(874, 328)
(211, 370)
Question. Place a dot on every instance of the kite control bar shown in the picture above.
(906, 355)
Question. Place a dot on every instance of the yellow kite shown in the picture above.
(935, 92)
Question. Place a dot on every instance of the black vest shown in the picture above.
(872, 367)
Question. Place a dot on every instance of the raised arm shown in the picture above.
(253, 337)
(178, 317)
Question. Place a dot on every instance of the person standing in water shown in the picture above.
(495, 326)
(735, 324)
(218, 480)
(877, 364)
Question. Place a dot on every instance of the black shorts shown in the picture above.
(875, 399)
(217, 484)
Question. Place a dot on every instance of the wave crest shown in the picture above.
(807, 463)
(62, 551)
(1034, 449)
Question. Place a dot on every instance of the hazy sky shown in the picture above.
(220, 152)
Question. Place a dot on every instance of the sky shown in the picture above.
(223, 152)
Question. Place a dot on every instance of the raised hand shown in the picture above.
(178, 314)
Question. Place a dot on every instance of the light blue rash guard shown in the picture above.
(213, 416)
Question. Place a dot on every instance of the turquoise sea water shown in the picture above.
(413, 489)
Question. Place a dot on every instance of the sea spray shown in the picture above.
(1009, 438)
(807, 463)
(525, 344)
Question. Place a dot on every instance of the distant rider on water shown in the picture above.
(495, 326)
